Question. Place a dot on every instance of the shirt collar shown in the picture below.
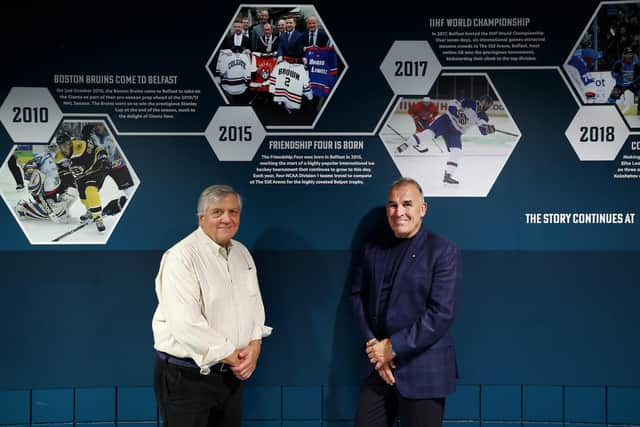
(221, 250)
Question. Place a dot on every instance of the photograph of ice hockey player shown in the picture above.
(604, 67)
(290, 70)
(75, 187)
(118, 170)
(579, 68)
(626, 74)
(456, 140)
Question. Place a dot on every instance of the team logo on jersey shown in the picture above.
(264, 72)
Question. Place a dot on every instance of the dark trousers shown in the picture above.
(15, 170)
(188, 399)
(381, 403)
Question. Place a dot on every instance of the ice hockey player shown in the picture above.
(89, 164)
(119, 171)
(626, 72)
(49, 201)
(461, 115)
(422, 113)
(580, 64)
(62, 162)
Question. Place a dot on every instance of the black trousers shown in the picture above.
(188, 399)
(380, 404)
(15, 170)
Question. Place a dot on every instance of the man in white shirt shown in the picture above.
(237, 41)
(209, 323)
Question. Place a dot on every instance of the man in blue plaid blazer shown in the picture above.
(404, 298)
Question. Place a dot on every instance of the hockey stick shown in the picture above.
(405, 138)
(437, 145)
(114, 207)
(507, 133)
(73, 230)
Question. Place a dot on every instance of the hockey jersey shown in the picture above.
(423, 113)
(109, 145)
(463, 114)
(323, 69)
(263, 63)
(235, 71)
(626, 74)
(288, 84)
(47, 165)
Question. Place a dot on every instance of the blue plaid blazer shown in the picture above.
(421, 309)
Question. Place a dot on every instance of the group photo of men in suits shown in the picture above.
(291, 41)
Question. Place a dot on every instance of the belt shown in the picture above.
(187, 362)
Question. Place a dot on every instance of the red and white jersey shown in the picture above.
(263, 63)
(288, 84)
(423, 113)
(235, 71)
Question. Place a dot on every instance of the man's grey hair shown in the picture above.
(406, 181)
(213, 194)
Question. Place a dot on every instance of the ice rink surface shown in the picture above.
(43, 232)
(483, 157)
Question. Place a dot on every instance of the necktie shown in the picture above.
(289, 36)
(310, 38)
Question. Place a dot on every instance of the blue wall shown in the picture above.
(547, 329)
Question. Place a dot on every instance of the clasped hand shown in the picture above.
(243, 360)
(380, 355)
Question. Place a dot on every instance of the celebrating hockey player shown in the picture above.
(626, 73)
(461, 115)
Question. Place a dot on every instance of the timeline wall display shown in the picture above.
(280, 103)
(521, 123)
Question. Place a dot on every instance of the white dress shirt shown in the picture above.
(209, 302)
(237, 39)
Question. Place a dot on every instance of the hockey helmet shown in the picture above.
(63, 140)
(484, 103)
(63, 136)
(29, 167)
(87, 129)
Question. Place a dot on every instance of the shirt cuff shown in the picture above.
(215, 355)
(260, 331)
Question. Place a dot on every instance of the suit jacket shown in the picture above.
(289, 46)
(322, 39)
(227, 43)
(261, 45)
(421, 309)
